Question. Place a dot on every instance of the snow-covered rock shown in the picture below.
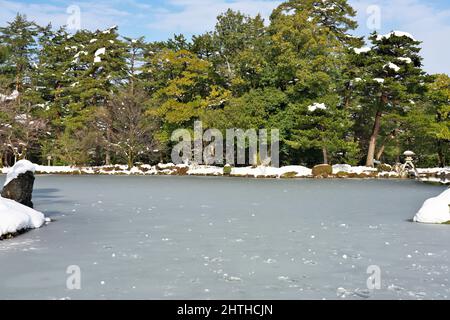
(20, 167)
(19, 183)
(15, 217)
(435, 210)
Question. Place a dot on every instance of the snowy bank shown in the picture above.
(437, 175)
(297, 171)
(349, 169)
(435, 210)
(15, 217)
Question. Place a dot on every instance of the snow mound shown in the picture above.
(263, 171)
(435, 210)
(15, 217)
(349, 169)
(20, 167)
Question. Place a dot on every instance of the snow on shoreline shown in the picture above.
(435, 210)
(15, 217)
(438, 175)
(349, 169)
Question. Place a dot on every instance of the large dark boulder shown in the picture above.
(20, 189)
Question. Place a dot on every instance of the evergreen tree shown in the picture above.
(307, 48)
(391, 78)
(19, 41)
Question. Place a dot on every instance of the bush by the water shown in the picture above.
(292, 174)
(227, 170)
(322, 170)
(384, 167)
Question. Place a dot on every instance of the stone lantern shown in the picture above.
(409, 161)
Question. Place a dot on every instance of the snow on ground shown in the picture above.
(20, 167)
(435, 210)
(349, 169)
(299, 171)
(205, 170)
(438, 175)
(15, 217)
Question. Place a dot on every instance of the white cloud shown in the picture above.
(424, 21)
(419, 17)
(198, 16)
(94, 15)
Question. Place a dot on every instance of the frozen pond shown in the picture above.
(227, 238)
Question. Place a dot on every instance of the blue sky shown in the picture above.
(427, 20)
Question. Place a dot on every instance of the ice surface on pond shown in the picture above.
(203, 238)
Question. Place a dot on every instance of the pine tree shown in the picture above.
(19, 40)
(305, 62)
(391, 77)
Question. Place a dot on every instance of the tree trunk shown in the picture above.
(373, 139)
(130, 162)
(108, 153)
(325, 155)
(383, 146)
(380, 152)
(441, 155)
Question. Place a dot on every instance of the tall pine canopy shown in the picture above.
(98, 97)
